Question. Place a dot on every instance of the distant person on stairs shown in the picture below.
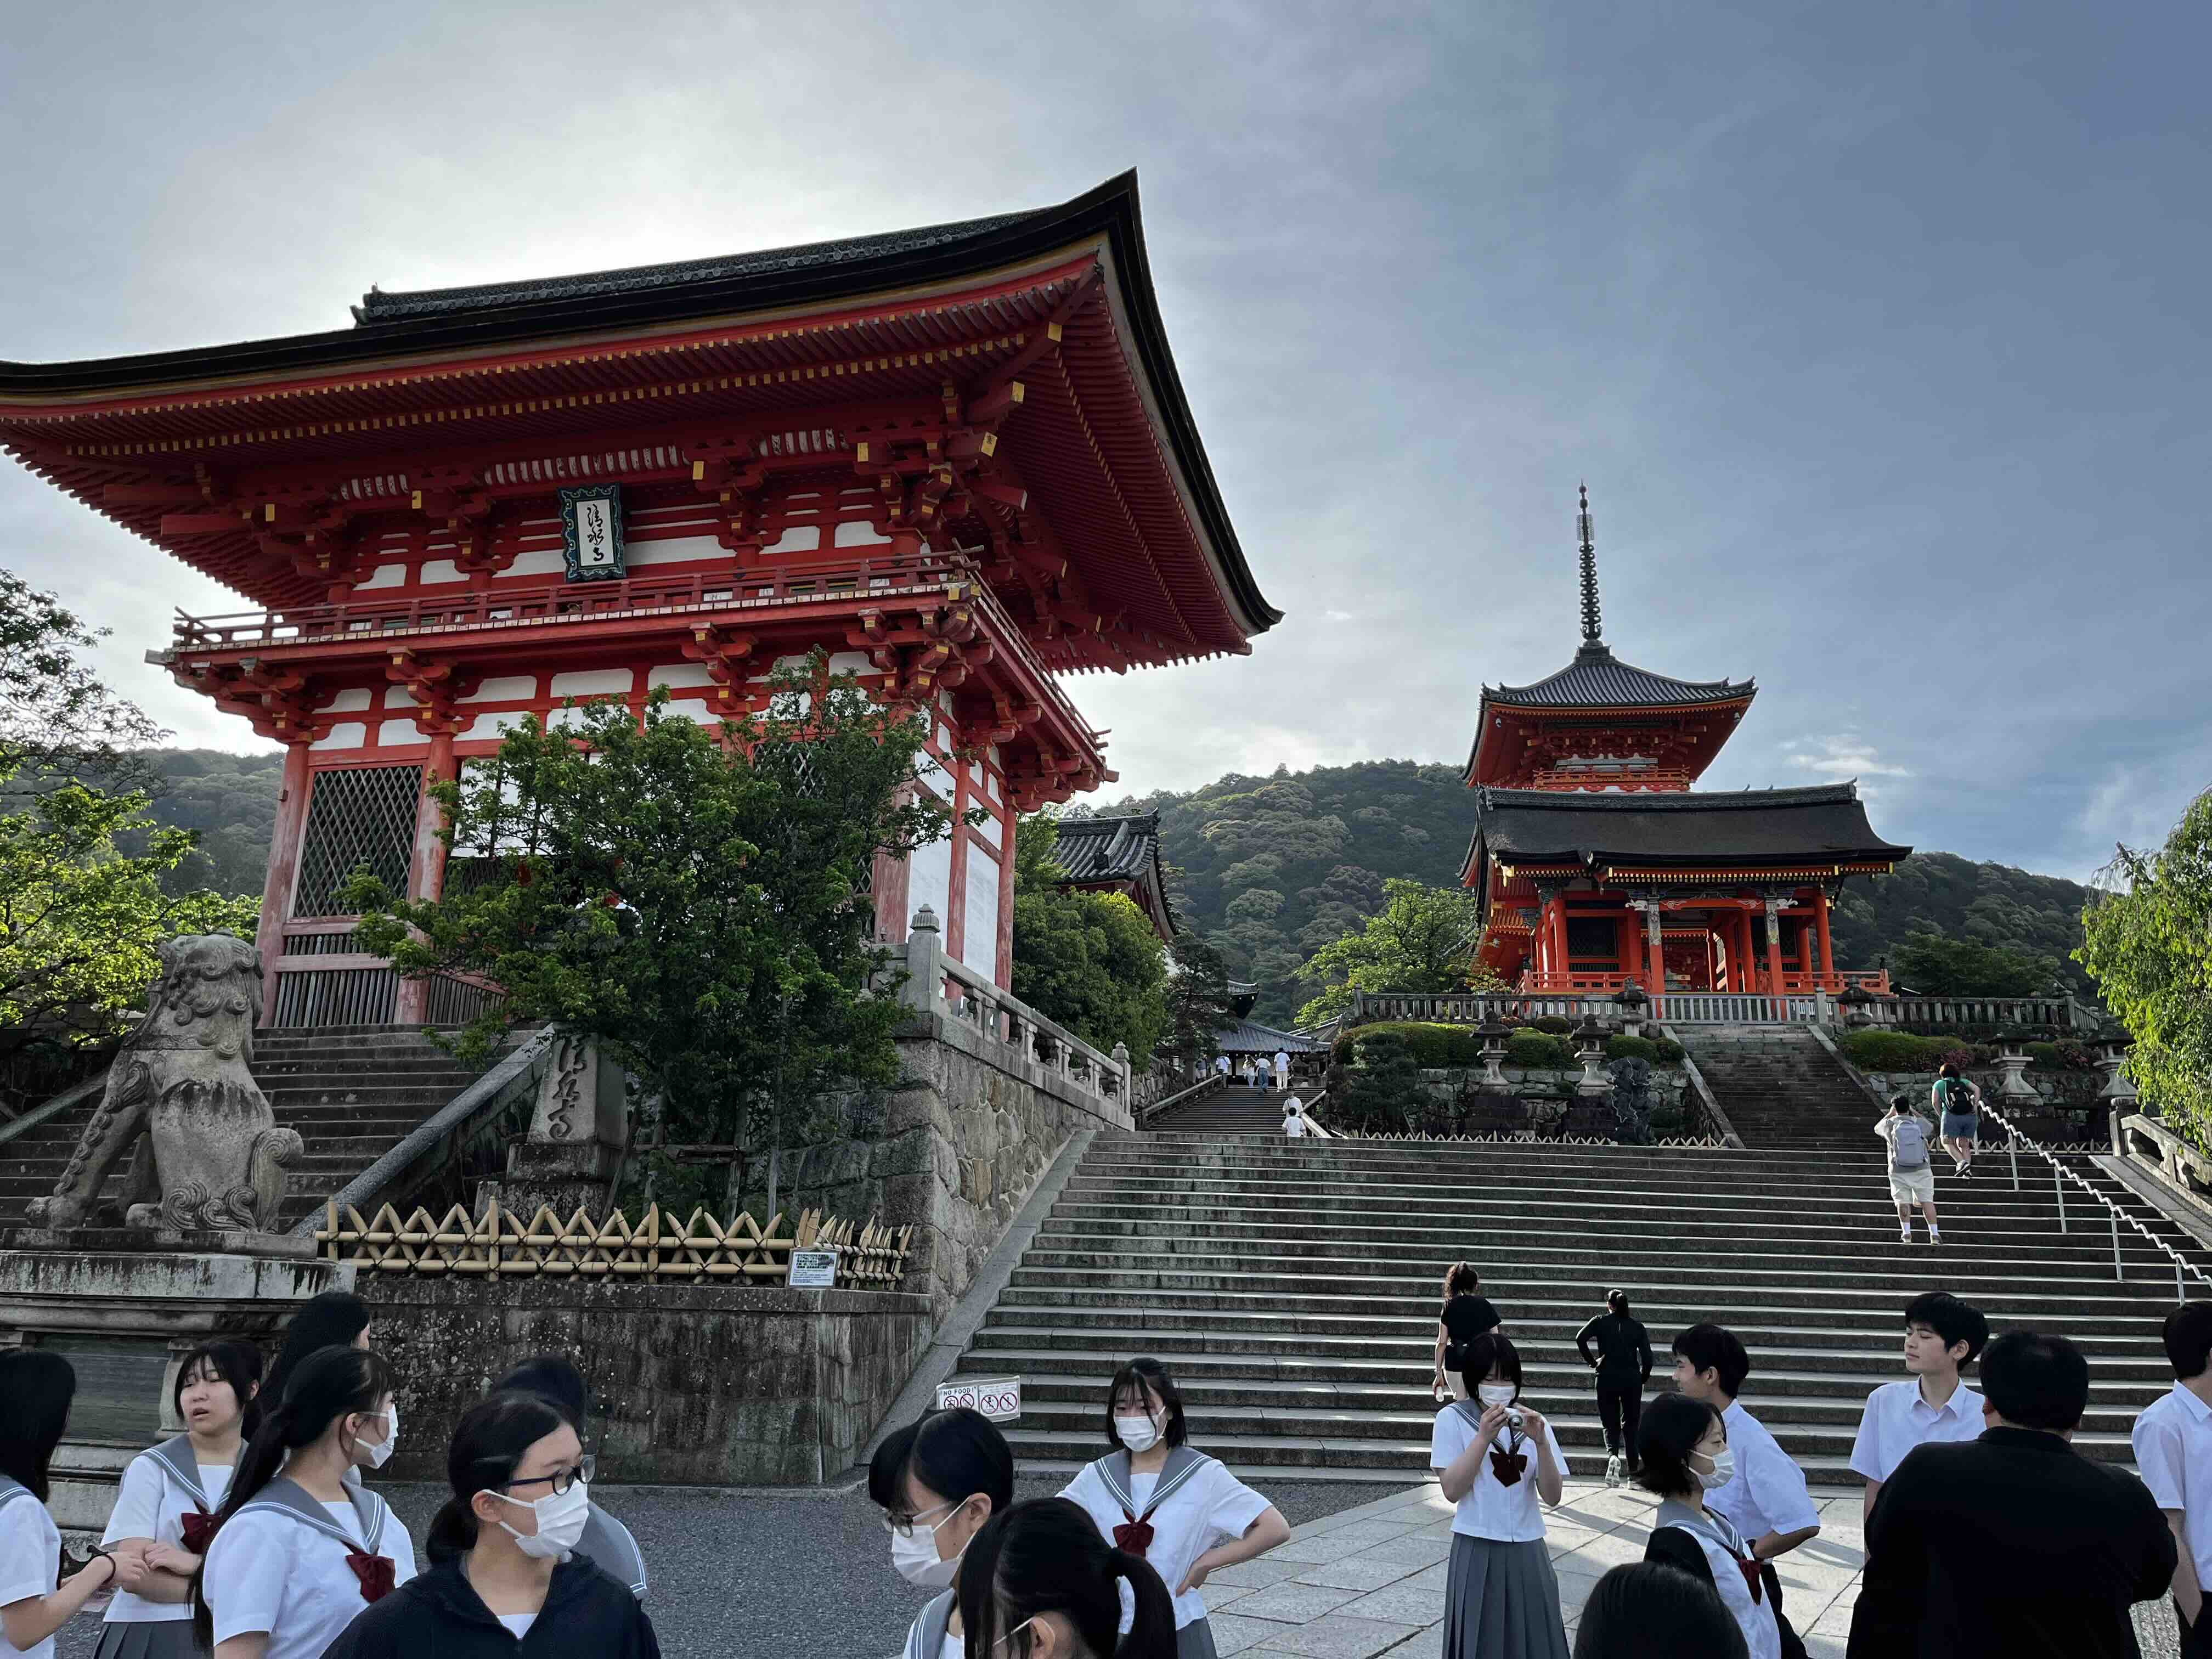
(2172, 1442)
(1466, 1315)
(1942, 1335)
(1294, 1122)
(1768, 1501)
(1911, 1181)
(1500, 1463)
(1154, 1496)
(1623, 1365)
(1282, 1068)
(1958, 1105)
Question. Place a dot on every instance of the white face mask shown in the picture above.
(1723, 1462)
(561, 1518)
(1138, 1433)
(379, 1451)
(915, 1556)
(1496, 1393)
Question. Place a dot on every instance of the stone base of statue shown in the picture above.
(125, 1305)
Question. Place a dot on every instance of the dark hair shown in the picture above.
(1901, 1103)
(1711, 1348)
(36, 1387)
(1046, 1556)
(956, 1454)
(1461, 1279)
(554, 1378)
(2035, 1382)
(331, 1383)
(1487, 1356)
(493, 1438)
(1948, 1068)
(238, 1364)
(1672, 1426)
(1953, 1320)
(1151, 1377)
(1618, 1300)
(1650, 1610)
(2188, 1334)
(331, 1319)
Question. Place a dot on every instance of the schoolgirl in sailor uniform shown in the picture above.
(937, 1481)
(1156, 1497)
(165, 1509)
(1039, 1583)
(1496, 1459)
(298, 1549)
(36, 1388)
(1684, 1445)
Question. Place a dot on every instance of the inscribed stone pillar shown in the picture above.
(579, 1131)
(283, 866)
(426, 868)
(1774, 988)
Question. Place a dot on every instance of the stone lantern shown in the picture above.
(1590, 1049)
(2112, 1043)
(1635, 1003)
(2012, 1059)
(1493, 1035)
(1858, 1004)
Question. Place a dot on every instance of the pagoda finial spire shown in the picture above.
(1593, 632)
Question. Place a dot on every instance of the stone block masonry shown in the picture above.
(707, 1385)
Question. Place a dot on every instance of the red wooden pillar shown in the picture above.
(1773, 956)
(426, 868)
(284, 868)
(1003, 975)
(1563, 966)
(1627, 948)
(1820, 927)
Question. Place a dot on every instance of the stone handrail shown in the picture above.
(75, 1096)
(427, 1147)
(2183, 1165)
(1908, 1012)
(937, 983)
(1198, 1091)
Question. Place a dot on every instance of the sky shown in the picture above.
(1880, 333)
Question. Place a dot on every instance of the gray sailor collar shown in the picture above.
(176, 1459)
(288, 1496)
(1182, 1463)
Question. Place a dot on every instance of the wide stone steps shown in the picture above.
(1293, 1286)
(352, 1092)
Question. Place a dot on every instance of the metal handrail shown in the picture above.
(2060, 1174)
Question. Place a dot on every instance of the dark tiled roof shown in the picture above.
(376, 306)
(1249, 1037)
(1108, 849)
(1825, 822)
(1598, 679)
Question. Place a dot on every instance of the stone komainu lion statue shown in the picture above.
(208, 1154)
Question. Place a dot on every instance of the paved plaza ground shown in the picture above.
(794, 1575)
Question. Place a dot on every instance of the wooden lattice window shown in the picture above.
(357, 815)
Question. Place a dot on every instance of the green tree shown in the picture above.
(1089, 961)
(694, 900)
(1421, 941)
(1382, 1089)
(2148, 943)
(59, 723)
(1936, 966)
(1198, 1004)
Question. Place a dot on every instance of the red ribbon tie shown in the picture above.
(198, 1529)
(375, 1572)
(1133, 1537)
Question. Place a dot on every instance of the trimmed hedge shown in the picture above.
(1659, 1051)
(1901, 1051)
(1431, 1045)
(1535, 1051)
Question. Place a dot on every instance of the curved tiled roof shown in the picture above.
(1827, 822)
(1598, 679)
(1108, 849)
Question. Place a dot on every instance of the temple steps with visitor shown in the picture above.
(1292, 1287)
(353, 1092)
(1232, 1109)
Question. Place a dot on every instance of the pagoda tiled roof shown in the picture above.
(1598, 679)
(1108, 849)
(1248, 1036)
(1826, 824)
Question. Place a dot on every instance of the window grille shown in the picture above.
(357, 815)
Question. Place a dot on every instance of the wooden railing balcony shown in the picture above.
(1875, 980)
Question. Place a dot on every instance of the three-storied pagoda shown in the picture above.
(958, 459)
(1597, 863)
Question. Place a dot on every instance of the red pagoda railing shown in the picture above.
(1793, 984)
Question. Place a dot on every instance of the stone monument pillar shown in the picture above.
(579, 1134)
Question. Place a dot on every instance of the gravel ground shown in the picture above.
(744, 1573)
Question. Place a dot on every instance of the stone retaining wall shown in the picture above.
(1447, 1082)
(710, 1385)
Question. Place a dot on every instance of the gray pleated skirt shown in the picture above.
(148, 1638)
(1195, 1641)
(1502, 1601)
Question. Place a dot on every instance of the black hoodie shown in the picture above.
(438, 1615)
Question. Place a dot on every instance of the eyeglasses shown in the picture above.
(561, 1480)
(903, 1525)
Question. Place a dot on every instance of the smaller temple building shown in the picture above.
(1597, 864)
(1118, 855)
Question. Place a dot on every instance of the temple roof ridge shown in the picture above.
(1598, 679)
(1668, 800)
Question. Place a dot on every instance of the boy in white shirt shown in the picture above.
(1294, 1122)
(2173, 1442)
(1942, 1336)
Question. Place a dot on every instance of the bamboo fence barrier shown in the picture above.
(656, 1249)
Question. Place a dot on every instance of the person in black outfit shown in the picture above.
(504, 1583)
(1623, 1365)
(1466, 1314)
(2012, 1544)
(1648, 1610)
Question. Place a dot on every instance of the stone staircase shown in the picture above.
(1777, 1084)
(351, 1092)
(1292, 1287)
(1232, 1110)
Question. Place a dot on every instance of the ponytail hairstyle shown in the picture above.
(329, 1384)
(1617, 1302)
(36, 1387)
(1461, 1279)
(488, 1446)
(238, 1364)
(1046, 1556)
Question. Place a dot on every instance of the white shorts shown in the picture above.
(1912, 1186)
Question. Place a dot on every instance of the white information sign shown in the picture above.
(999, 1398)
(813, 1270)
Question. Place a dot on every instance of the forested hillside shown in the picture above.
(1274, 868)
